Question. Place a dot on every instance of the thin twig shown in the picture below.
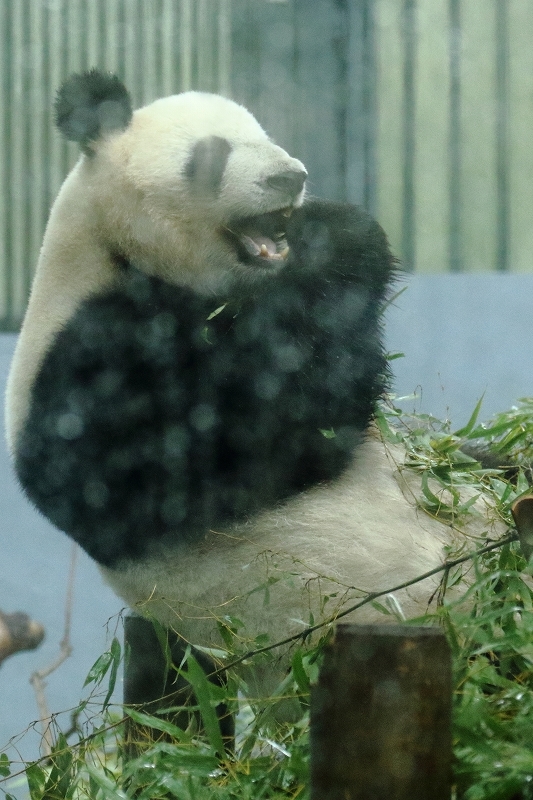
(38, 678)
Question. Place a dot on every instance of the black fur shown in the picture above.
(150, 418)
(91, 104)
(207, 163)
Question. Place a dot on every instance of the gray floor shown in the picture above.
(462, 336)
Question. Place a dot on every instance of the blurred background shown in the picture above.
(419, 110)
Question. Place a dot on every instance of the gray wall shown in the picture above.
(34, 566)
(464, 336)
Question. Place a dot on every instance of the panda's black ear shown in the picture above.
(91, 104)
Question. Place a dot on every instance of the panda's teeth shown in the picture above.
(264, 251)
(285, 252)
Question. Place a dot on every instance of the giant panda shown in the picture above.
(193, 387)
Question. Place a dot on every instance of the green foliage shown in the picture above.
(489, 627)
(511, 432)
(108, 661)
(493, 660)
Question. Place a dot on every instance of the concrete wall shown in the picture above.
(34, 566)
(463, 336)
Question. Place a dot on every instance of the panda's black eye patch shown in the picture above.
(207, 162)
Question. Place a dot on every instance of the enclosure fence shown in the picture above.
(455, 162)
(421, 110)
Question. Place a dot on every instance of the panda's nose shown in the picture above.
(290, 182)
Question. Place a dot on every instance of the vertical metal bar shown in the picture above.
(369, 107)
(4, 200)
(136, 20)
(7, 67)
(122, 22)
(38, 101)
(134, 55)
(129, 51)
(361, 106)
(26, 124)
(245, 53)
(186, 39)
(56, 71)
(297, 134)
(83, 22)
(147, 38)
(19, 177)
(93, 34)
(102, 33)
(169, 82)
(224, 48)
(408, 128)
(340, 58)
(206, 13)
(76, 31)
(502, 134)
(454, 152)
(381, 715)
(108, 34)
(321, 84)
(69, 150)
(45, 91)
(74, 36)
(159, 36)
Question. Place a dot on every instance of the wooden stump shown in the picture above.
(381, 716)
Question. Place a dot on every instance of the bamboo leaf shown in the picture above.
(99, 668)
(5, 767)
(108, 787)
(299, 673)
(470, 425)
(202, 690)
(216, 312)
(158, 724)
(116, 654)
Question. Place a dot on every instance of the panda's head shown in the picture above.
(189, 187)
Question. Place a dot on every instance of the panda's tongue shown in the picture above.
(260, 246)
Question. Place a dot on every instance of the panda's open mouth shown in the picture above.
(261, 240)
